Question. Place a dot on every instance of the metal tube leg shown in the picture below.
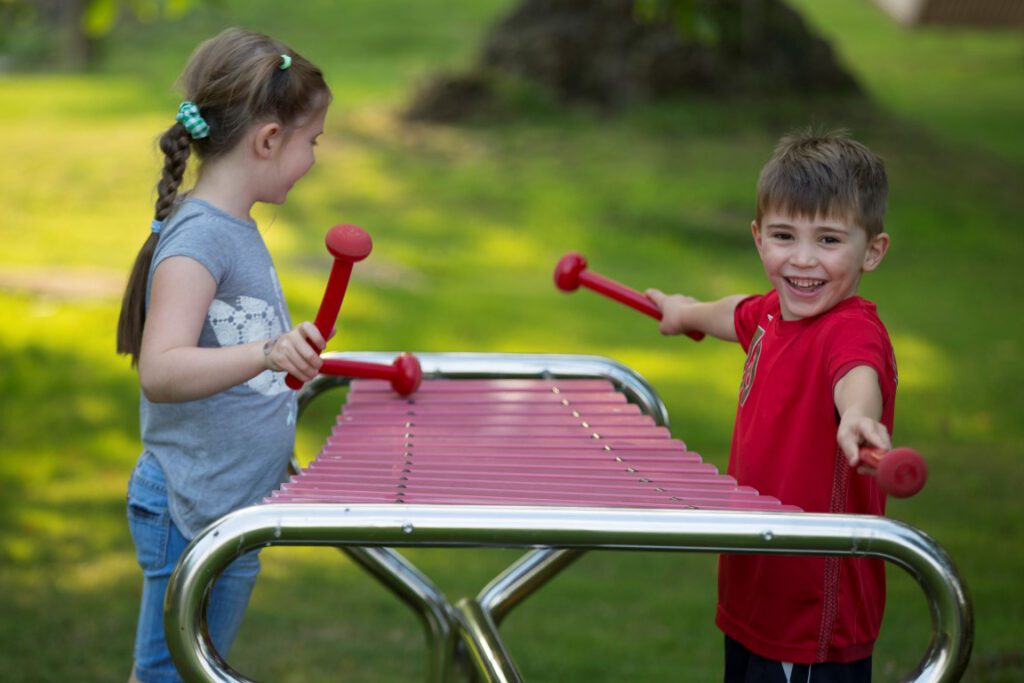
(417, 591)
(480, 618)
(522, 578)
(480, 633)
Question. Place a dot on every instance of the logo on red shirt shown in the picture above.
(750, 367)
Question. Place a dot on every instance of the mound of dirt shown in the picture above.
(610, 54)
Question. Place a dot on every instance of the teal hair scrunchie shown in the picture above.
(195, 124)
(286, 61)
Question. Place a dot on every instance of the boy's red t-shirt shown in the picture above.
(804, 609)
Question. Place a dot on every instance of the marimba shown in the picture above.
(558, 454)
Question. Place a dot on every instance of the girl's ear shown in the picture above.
(877, 247)
(267, 139)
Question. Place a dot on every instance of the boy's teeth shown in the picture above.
(804, 283)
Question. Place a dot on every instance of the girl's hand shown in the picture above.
(676, 310)
(857, 430)
(296, 352)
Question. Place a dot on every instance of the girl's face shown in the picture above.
(296, 156)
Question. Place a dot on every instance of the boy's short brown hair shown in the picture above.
(824, 174)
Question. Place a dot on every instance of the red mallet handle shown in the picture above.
(900, 472)
(404, 373)
(571, 272)
(348, 244)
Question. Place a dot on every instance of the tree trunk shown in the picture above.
(63, 18)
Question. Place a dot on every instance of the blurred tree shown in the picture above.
(66, 33)
(615, 52)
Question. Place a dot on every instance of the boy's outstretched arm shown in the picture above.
(681, 314)
(858, 400)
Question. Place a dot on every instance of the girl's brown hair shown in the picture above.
(825, 174)
(235, 79)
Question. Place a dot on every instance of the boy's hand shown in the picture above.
(674, 311)
(857, 430)
(859, 403)
(295, 352)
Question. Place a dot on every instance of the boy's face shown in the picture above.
(814, 263)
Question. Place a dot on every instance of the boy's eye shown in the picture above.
(829, 239)
(781, 236)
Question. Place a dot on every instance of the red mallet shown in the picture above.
(900, 472)
(348, 244)
(404, 373)
(571, 272)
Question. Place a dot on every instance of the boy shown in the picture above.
(819, 381)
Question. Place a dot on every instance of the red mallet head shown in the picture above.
(348, 242)
(408, 374)
(902, 472)
(567, 272)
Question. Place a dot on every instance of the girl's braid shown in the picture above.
(176, 144)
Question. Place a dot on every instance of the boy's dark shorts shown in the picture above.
(743, 666)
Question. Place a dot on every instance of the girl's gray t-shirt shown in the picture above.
(231, 449)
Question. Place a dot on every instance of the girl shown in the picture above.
(205, 321)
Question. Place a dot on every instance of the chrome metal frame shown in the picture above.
(555, 537)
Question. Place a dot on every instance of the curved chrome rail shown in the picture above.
(509, 365)
(577, 528)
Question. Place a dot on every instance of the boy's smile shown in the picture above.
(814, 263)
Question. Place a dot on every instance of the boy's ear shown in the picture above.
(755, 230)
(267, 139)
(877, 247)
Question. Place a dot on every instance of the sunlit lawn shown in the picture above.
(467, 225)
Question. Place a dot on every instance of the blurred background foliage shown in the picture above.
(68, 34)
(468, 221)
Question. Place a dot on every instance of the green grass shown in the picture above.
(468, 223)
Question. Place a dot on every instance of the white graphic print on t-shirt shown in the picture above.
(251, 319)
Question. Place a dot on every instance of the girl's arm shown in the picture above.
(859, 403)
(172, 368)
(681, 314)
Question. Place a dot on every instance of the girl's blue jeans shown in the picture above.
(158, 545)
